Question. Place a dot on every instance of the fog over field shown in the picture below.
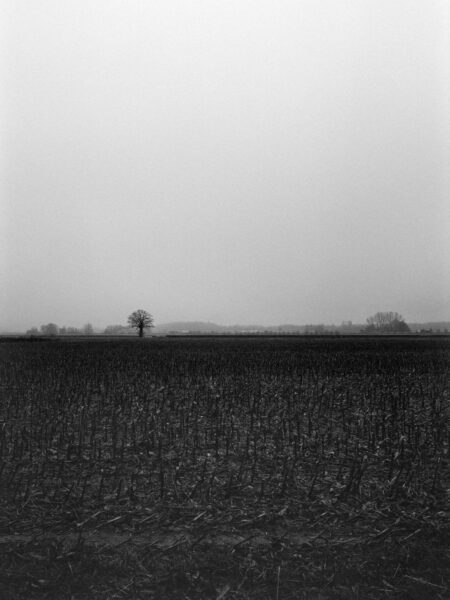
(234, 161)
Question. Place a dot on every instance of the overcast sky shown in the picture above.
(237, 161)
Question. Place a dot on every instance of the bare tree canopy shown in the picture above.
(140, 320)
(50, 329)
(386, 322)
(88, 329)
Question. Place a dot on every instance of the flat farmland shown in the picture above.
(237, 468)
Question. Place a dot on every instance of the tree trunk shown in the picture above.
(141, 331)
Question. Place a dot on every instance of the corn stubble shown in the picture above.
(225, 468)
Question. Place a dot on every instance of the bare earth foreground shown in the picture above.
(225, 468)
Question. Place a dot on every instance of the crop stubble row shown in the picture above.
(88, 423)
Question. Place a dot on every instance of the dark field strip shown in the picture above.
(230, 468)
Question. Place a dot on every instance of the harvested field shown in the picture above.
(237, 468)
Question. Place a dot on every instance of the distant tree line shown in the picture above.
(139, 320)
(387, 322)
(117, 330)
(51, 329)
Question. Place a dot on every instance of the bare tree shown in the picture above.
(50, 329)
(140, 320)
(386, 322)
(88, 329)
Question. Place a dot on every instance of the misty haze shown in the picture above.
(232, 162)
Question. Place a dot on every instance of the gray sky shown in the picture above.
(238, 161)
